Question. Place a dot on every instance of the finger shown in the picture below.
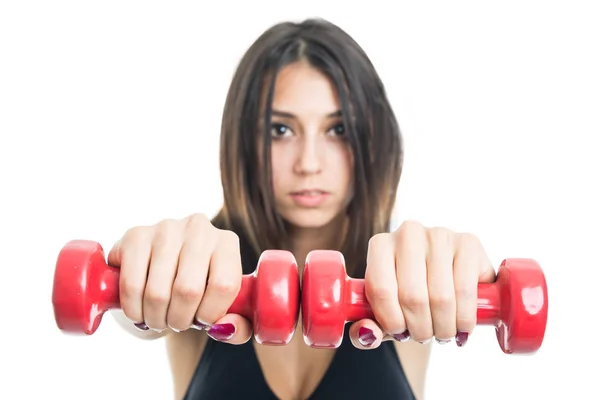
(224, 279)
(132, 255)
(467, 267)
(115, 255)
(487, 272)
(190, 280)
(440, 278)
(381, 286)
(166, 246)
(365, 334)
(411, 269)
(232, 328)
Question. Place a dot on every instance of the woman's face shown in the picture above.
(311, 161)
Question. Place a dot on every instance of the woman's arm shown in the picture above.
(184, 350)
(414, 358)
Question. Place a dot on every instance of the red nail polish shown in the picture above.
(402, 337)
(366, 337)
(221, 331)
(199, 325)
(141, 326)
(461, 338)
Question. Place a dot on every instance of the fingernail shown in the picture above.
(461, 338)
(443, 341)
(221, 331)
(366, 337)
(402, 337)
(425, 341)
(199, 325)
(141, 326)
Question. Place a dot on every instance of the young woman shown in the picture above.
(311, 157)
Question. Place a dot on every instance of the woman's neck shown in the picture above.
(327, 237)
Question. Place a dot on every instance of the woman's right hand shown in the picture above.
(181, 274)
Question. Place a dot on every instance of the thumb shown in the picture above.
(232, 328)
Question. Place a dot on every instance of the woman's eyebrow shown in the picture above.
(285, 114)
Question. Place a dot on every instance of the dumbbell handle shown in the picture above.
(102, 285)
(357, 306)
(108, 291)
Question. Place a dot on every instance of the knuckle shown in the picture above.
(413, 300)
(130, 289)
(465, 293)
(408, 231)
(187, 292)
(377, 292)
(166, 234)
(379, 240)
(441, 299)
(156, 298)
(135, 235)
(230, 238)
(197, 220)
(439, 235)
(411, 227)
(224, 287)
(165, 228)
(470, 241)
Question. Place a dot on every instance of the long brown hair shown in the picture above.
(370, 127)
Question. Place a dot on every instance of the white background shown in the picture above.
(109, 118)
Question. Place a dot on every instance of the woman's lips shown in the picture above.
(309, 197)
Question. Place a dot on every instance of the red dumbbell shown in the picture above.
(85, 287)
(516, 304)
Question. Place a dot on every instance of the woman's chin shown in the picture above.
(313, 220)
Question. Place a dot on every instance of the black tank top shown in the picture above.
(232, 372)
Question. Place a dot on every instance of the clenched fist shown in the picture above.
(422, 284)
(179, 274)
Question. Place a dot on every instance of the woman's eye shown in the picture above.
(338, 130)
(279, 130)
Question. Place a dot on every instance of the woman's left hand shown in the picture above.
(421, 284)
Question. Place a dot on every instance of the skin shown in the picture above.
(420, 281)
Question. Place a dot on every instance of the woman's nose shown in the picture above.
(310, 152)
